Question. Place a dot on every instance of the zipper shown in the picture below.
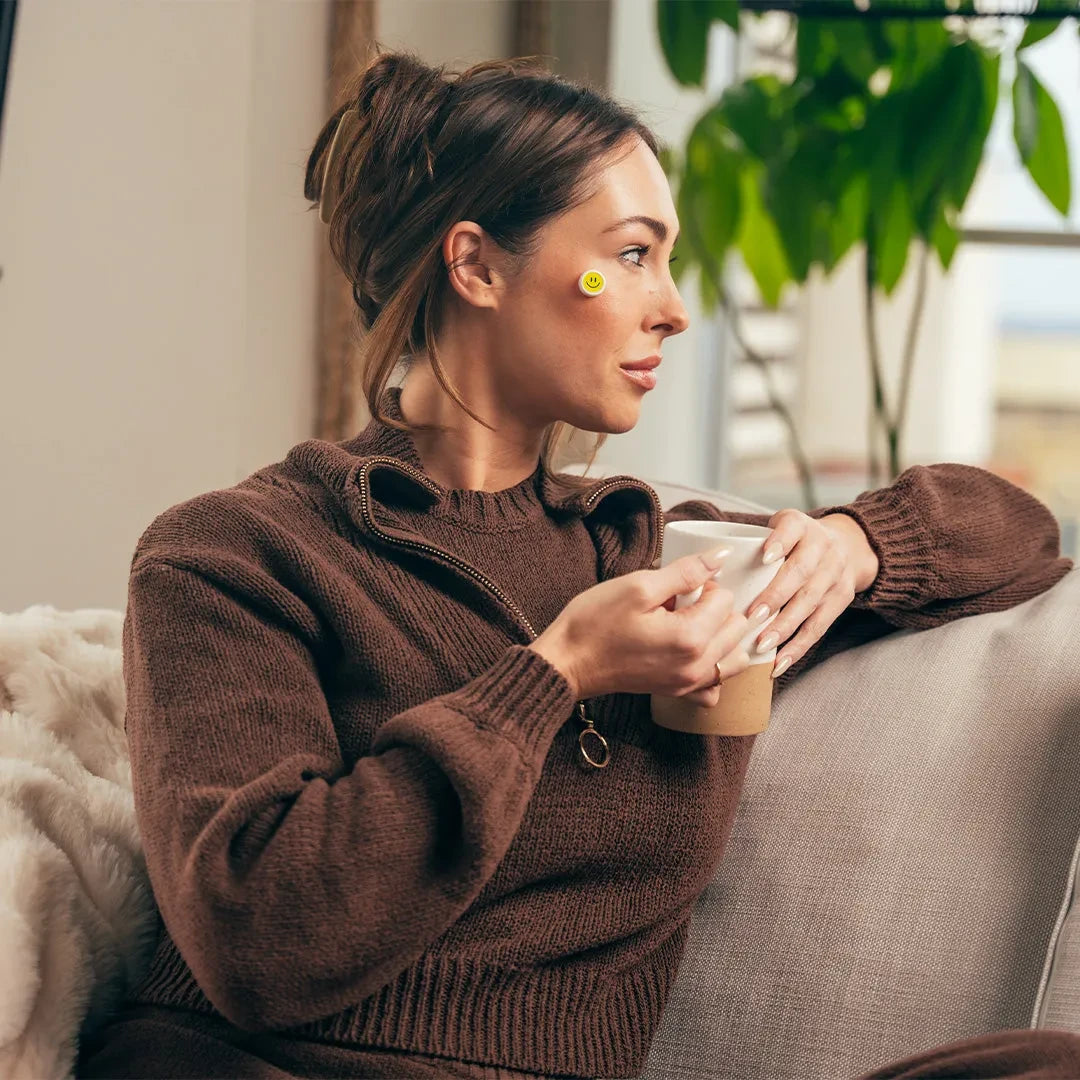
(652, 495)
(586, 759)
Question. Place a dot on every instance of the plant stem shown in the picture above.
(802, 464)
(881, 409)
(873, 466)
(909, 356)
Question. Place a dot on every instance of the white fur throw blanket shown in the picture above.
(77, 915)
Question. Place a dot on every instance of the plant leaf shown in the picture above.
(973, 146)
(942, 124)
(847, 224)
(815, 46)
(892, 228)
(683, 29)
(798, 196)
(944, 239)
(751, 110)
(856, 47)
(710, 298)
(1036, 31)
(713, 196)
(758, 240)
(949, 181)
(918, 44)
(879, 143)
(832, 100)
(1040, 137)
(727, 11)
(708, 199)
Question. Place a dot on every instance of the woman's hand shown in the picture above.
(828, 561)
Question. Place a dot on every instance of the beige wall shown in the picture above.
(157, 301)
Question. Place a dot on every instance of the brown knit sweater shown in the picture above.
(360, 794)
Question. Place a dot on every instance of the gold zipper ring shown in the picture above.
(587, 760)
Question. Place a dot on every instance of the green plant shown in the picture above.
(873, 140)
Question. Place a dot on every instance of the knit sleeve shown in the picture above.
(951, 540)
(293, 884)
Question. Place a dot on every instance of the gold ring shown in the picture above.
(719, 675)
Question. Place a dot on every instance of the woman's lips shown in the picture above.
(644, 378)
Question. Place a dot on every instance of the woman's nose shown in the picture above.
(681, 319)
(675, 313)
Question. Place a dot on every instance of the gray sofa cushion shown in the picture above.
(900, 856)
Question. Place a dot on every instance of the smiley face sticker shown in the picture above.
(591, 283)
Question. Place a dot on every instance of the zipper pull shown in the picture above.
(588, 762)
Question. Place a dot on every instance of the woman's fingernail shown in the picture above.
(772, 553)
(715, 559)
(781, 665)
(767, 642)
(760, 613)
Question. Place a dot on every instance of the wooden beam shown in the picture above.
(532, 29)
(340, 408)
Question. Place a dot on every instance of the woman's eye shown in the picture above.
(644, 250)
(632, 251)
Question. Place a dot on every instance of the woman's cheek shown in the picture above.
(603, 317)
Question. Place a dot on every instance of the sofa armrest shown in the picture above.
(899, 859)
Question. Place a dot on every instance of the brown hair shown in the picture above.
(505, 143)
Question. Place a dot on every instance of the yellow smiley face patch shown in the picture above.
(591, 283)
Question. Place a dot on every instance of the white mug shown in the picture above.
(742, 572)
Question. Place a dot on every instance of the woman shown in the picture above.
(404, 810)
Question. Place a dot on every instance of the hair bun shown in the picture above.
(395, 101)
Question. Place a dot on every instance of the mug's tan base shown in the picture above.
(743, 709)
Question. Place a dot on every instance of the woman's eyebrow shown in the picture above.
(658, 227)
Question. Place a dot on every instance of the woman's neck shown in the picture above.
(467, 454)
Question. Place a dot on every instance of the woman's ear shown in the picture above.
(471, 277)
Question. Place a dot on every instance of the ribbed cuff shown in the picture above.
(522, 695)
(906, 576)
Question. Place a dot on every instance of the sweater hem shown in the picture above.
(558, 1019)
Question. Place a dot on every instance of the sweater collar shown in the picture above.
(379, 470)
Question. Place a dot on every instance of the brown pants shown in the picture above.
(151, 1043)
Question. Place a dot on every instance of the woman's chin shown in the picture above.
(616, 412)
(622, 419)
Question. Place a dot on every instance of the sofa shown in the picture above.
(901, 870)
(900, 873)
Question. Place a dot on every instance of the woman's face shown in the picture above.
(556, 353)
